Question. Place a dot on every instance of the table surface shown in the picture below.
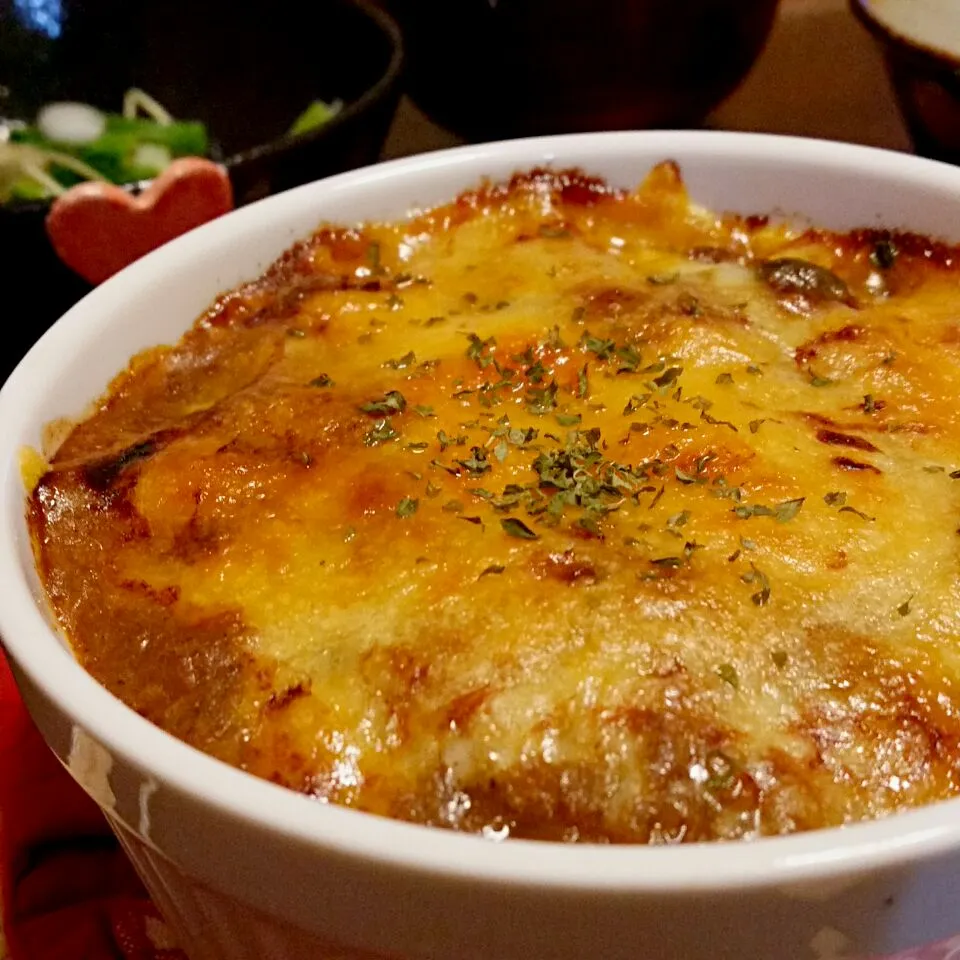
(820, 76)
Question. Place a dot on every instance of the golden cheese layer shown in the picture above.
(557, 512)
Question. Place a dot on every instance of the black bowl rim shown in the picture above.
(391, 76)
(371, 96)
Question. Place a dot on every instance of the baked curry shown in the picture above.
(560, 512)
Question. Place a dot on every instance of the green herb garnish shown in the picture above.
(728, 674)
(542, 400)
(407, 507)
(392, 402)
(517, 528)
(583, 386)
(788, 509)
(401, 363)
(668, 376)
(381, 432)
(859, 513)
(477, 464)
(758, 577)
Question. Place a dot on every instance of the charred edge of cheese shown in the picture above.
(557, 511)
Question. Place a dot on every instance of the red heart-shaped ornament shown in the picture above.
(98, 228)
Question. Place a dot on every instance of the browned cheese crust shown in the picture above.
(559, 512)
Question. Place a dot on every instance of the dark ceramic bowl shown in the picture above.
(246, 70)
(920, 40)
(492, 69)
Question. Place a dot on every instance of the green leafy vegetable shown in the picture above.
(128, 149)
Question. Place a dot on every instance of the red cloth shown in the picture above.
(67, 892)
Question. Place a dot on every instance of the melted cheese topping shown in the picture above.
(557, 512)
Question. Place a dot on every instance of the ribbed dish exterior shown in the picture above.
(210, 926)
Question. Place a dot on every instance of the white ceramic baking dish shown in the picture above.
(245, 870)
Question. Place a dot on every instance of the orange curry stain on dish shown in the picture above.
(557, 512)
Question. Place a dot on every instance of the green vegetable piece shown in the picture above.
(315, 116)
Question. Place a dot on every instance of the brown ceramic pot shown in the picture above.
(488, 69)
(920, 40)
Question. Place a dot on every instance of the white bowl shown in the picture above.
(245, 870)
